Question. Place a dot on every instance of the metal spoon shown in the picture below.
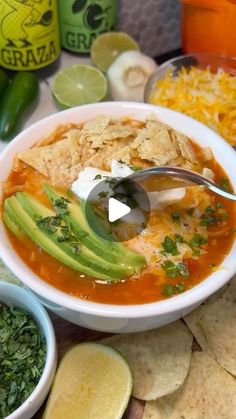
(162, 178)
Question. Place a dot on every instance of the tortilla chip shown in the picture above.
(159, 359)
(65, 177)
(70, 148)
(73, 136)
(124, 154)
(218, 323)
(209, 392)
(213, 326)
(58, 156)
(55, 161)
(57, 135)
(154, 143)
(217, 295)
(193, 322)
(230, 292)
(185, 148)
(34, 157)
(96, 125)
(102, 158)
(102, 130)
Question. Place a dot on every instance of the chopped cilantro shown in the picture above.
(170, 290)
(224, 184)
(111, 182)
(179, 288)
(173, 270)
(175, 216)
(222, 214)
(68, 237)
(219, 205)
(75, 248)
(170, 268)
(213, 216)
(82, 234)
(179, 238)
(170, 246)
(22, 357)
(209, 210)
(183, 269)
(196, 252)
(48, 224)
(131, 202)
(69, 193)
(207, 221)
(103, 194)
(127, 200)
(135, 168)
(61, 205)
(97, 177)
(197, 240)
(65, 234)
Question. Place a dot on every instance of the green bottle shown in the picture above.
(81, 21)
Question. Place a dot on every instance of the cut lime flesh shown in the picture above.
(79, 85)
(92, 381)
(106, 48)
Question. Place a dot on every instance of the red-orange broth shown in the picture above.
(144, 289)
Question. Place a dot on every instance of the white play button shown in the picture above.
(117, 210)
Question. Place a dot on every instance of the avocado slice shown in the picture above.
(22, 219)
(114, 252)
(12, 226)
(84, 256)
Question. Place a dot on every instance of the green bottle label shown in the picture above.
(29, 34)
(82, 20)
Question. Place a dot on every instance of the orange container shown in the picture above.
(209, 26)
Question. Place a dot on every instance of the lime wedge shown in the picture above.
(78, 85)
(108, 46)
(92, 381)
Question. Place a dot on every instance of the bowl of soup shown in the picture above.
(106, 274)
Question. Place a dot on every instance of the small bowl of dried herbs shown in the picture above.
(28, 355)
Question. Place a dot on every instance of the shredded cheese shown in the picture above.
(203, 95)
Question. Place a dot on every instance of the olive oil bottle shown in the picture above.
(82, 20)
(29, 34)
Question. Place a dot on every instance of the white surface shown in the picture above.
(116, 210)
(109, 317)
(14, 295)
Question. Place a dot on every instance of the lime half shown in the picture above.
(92, 381)
(78, 85)
(108, 46)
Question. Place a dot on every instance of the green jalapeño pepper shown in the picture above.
(3, 82)
(17, 99)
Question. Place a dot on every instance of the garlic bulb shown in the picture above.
(128, 75)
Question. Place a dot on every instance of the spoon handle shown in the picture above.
(176, 177)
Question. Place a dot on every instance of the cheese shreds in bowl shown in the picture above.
(203, 95)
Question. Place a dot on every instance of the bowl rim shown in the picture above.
(61, 300)
(197, 54)
(44, 322)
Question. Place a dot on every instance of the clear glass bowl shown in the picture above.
(211, 61)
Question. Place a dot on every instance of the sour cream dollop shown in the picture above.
(91, 177)
(88, 178)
